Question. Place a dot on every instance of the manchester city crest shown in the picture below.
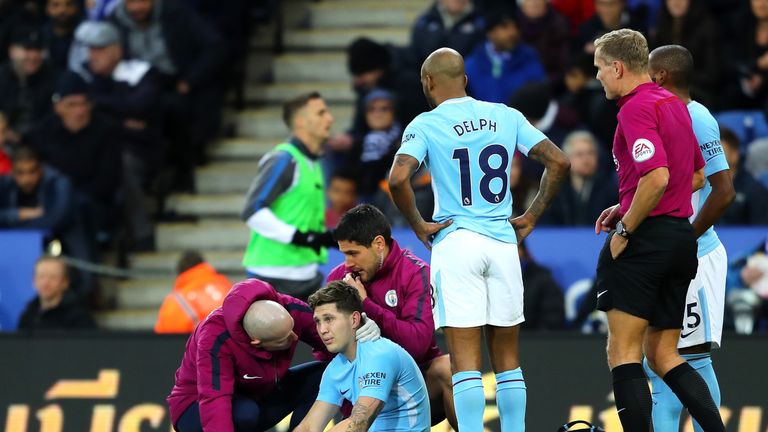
(391, 298)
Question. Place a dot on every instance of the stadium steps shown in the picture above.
(209, 205)
(268, 122)
(225, 177)
(333, 92)
(205, 235)
(315, 37)
(311, 68)
(241, 149)
(364, 13)
(164, 263)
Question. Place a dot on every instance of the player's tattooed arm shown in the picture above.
(556, 165)
(402, 194)
(364, 412)
(403, 168)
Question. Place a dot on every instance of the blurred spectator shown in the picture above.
(373, 65)
(746, 55)
(379, 145)
(544, 304)
(747, 283)
(584, 97)
(55, 307)
(535, 102)
(690, 24)
(26, 82)
(198, 290)
(589, 191)
(542, 27)
(35, 196)
(609, 15)
(128, 92)
(523, 186)
(501, 65)
(83, 146)
(342, 196)
(751, 204)
(59, 31)
(189, 54)
(5, 141)
(757, 160)
(576, 11)
(15, 14)
(38, 197)
(285, 205)
(454, 24)
(232, 19)
(98, 10)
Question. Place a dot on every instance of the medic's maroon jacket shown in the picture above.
(220, 360)
(400, 302)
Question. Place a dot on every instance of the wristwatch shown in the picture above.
(622, 230)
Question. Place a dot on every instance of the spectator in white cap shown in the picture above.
(129, 92)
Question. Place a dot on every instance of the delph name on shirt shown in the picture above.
(471, 126)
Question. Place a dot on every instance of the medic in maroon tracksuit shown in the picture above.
(219, 361)
(404, 315)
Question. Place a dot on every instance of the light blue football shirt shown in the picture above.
(468, 146)
(383, 370)
(708, 136)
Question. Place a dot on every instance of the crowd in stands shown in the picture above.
(536, 56)
(106, 106)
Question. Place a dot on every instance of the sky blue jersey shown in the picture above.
(468, 146)
(708, 136)
(385, 371)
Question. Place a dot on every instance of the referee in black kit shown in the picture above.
(649, 260)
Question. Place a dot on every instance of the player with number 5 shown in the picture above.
(468, 147)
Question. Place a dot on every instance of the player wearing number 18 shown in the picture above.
(477, 286)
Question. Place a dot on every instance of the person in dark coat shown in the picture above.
(750, 207)
(545, 29)
(26, 81)
(454, 24)
(55, 307)
(190, 56)
(689, 23)
(84, 146)
(543, 303)
(129, 93)
(59, 32)
(588, 191)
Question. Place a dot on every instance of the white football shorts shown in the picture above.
(705, 302)
(476, 280)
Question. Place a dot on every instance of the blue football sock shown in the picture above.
(469, 400)
(667, 408)
(703, 365)
(510, 399)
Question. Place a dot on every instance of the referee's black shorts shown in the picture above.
(650, 278)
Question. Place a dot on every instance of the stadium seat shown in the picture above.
(747, 125)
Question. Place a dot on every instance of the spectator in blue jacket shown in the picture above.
(501, 65)
(38, 197)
